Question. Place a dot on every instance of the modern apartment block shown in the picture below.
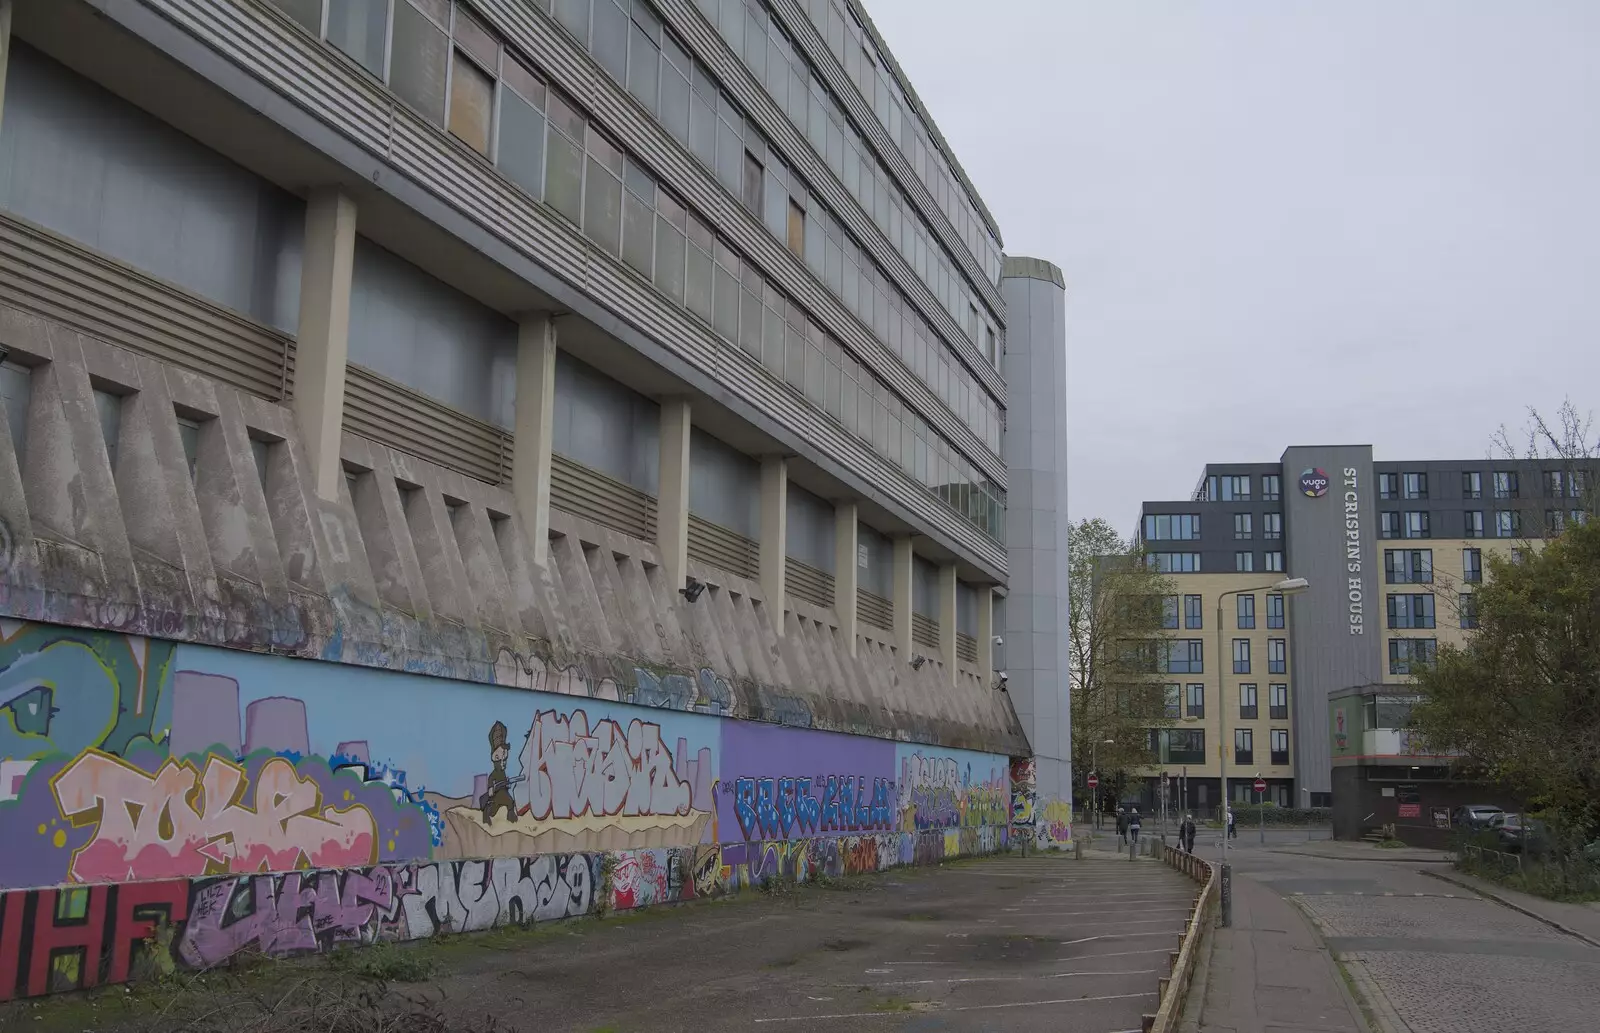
(505, 428)
(1391, 553)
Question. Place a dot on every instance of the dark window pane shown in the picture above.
(602, 207)
(359, 28)
(417, 64)
(520, 154)
(563, 188)
(471, 104)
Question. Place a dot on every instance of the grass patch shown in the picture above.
(889, 1004)
(385, 962)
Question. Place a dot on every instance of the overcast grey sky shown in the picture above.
(1284, 222)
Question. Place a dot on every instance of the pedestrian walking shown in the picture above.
(1186, 833)
(1233, 833)
(1133, 826)
(1122, 826)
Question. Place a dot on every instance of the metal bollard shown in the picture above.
(1227, 896)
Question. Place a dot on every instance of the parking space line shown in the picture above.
(970, 1007)
(1007, 979)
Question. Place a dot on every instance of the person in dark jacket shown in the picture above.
(1133, 826)
(1186, 833)
(1122, 825)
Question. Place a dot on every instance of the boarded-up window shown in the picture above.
(471, 104)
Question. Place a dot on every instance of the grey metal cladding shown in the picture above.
(1326, 654)
(804, 32)
(357, 122)
(540, 38)
(731, 72)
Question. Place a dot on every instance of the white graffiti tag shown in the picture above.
(573, 771)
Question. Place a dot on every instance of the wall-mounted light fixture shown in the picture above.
(917, 662)
(692, 588)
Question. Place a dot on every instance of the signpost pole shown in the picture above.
(1261, 810)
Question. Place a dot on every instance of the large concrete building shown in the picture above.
(485, 429)
(1390, 552)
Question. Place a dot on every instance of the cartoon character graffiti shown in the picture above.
(498, 795)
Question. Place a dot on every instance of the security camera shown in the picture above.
(999, 641)
(1004, 677)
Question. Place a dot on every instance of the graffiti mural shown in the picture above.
(1024, 800)
(1055, 824)
(179, 805)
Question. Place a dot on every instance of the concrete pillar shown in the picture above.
(323, 344)
(900, 596)
(986, 632)
(774, 534)
(846, 569)
(947, 619)
(672, 503)
(535, 408)
(5, 50)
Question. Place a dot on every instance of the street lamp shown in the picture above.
(1094, 769)
(1288, 586)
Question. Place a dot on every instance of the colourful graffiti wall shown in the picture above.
(252, 802)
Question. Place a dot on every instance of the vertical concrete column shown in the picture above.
(5, 50)
(900, 596)
(323, 344)
(535, 409)
(986, 632)
(947, 619)
(846, 569)
(672, 503)
(774, 534)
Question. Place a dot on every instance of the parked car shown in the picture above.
(1518, 834)
(1476, 817)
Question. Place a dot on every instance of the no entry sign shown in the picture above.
(1093, 780)
(1261, 785)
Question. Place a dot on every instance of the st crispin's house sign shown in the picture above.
(1314, 484)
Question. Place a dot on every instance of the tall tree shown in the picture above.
(1521, 699)
(1115, 621)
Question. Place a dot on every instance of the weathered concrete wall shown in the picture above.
(277, 804)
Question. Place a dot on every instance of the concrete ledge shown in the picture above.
(1175, 986)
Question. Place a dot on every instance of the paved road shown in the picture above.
(1008, 944)
(1431, 957)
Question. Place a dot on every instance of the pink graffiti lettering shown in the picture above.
(574, 771)
(178, 822)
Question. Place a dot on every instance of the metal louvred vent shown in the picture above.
(588, 493)
(924, 630)
(390, 413)
(806, 582)
(716, 546)
(875, 610)
(966, 648)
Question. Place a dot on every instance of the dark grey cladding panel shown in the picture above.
(1335, 625)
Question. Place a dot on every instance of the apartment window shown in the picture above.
(1554, 487)
(1273, 561)
(1186, 745)
(1277, 656)
(1278, 701)
(1505, 484)
(1409, 566)
(1241, 656)
(1416, 525)
(751, 191)
(1472, 565)
(1236, 489)
(1271, 487)
(189, 438)
(1195, 700)
(1274, 611)
(1575, 484)
(1241, 526)
(357, 27)
(1472, 521)
(1169, 611)
(1272, 526)
(108, 407)
(1243, 746)
(1577, 516)
(1244, 561)
(1175, 562)
(1174, 527)
(471, 97)
(1193, 614)
(1507, 523)
(797, 228)
(1388, 486)
(1518, 556)
(1246, 606)
(1280, 745)
(1471, 484)
(1414, 485)
(1174, 699)
(1247, 701)
(1411, 611)
(1467, 609)
(1389, 525)
(1554, 521)
(1185, 656)
(1410, 655)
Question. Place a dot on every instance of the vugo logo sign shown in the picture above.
(1314, 483)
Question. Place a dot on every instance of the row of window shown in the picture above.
(541, 141)
(1189, 562)
(1185, 527)
(769, 54)
(1415, 566)
(1188, 745)
(1192, 611)
(869, 71)
(1411, 655)
(1237, 487)
(1507, 523)
(1504, 484)
(1416, 610)
(1189, 700)
(1277, 656)
(1187, 656)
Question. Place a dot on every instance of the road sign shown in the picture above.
(1093, 780)
(1261, 785)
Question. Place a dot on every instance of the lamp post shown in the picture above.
(1288, 586)
(1094, 769)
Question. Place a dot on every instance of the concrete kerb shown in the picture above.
(1175, 985)
(1503, 901)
